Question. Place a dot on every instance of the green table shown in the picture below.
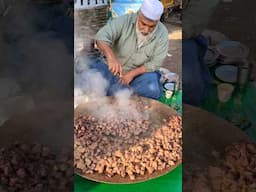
(240, 110)
(171, 182)
(175, 101)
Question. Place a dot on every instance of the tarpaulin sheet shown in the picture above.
(123, 7)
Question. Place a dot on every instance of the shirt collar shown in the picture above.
(134, 18)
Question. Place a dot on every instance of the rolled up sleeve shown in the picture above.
(159, 54)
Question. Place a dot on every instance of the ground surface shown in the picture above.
(173, 61)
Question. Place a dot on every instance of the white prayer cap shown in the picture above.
(152, 9)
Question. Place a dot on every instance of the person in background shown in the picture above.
(134, 46)
(195, 73)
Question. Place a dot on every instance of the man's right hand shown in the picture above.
(114, 66)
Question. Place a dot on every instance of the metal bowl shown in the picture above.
(227, 73)
(232, 51)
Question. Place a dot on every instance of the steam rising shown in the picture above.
(35, 62)
(90, 85)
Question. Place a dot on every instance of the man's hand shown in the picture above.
(114, 66)
(127, 78)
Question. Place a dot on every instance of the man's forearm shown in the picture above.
(113, 64)
(129, 76)
(106, 49)
(138, 71)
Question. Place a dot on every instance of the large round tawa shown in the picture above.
(49, 125)
(203, 134)
(157, 111)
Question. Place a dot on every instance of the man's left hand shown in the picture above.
(127, 78)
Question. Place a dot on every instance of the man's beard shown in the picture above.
(141, 36)
(144, 34)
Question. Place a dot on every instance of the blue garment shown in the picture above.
(195, 73)
(145, 85)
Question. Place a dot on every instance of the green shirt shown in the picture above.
(120, 34)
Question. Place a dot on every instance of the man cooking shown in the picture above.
(135, 46)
